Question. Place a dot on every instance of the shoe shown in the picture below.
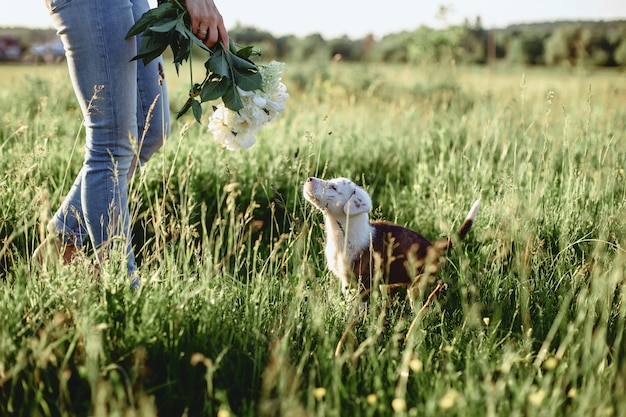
(53, 250)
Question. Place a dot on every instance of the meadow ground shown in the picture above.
(238, 315)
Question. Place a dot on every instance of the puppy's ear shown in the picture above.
(359, 202)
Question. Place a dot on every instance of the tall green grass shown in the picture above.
(238, 315)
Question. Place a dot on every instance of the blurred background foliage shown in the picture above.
(567, 43)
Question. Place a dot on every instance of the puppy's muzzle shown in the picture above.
(311, 190)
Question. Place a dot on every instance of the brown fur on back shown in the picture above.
(397, 251)
(401, 255)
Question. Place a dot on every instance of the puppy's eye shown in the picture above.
(333, 187)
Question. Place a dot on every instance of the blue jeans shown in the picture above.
(126, 117)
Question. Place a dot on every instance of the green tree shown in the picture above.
(428, 45)
(620, 53)
(526, 49)
(568, 45)
(346, 49)
(312, 47)
(392, 48)
(473, 43)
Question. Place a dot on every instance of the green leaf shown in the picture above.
(165, 26)
(248, 80)
(181, 48)
(214, 88)
(195, 40)
(182, 28)
(151, 47)
(185, 108)
(166, 9)
(246, 74)
(142, 24)
(246, 52)
(152, 16)
(197, 110)
(231, 44)
(241, 63)
(232, 99)
(218, 64)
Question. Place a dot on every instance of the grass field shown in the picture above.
(238, 314)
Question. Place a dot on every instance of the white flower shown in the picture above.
(276, 102)
(235, 130)
(230, 129)
(259, 101)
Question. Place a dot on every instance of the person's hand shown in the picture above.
(206, 22)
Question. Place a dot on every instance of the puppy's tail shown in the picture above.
(469, 220)
(446, 244)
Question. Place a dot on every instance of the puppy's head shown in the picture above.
(337, 197)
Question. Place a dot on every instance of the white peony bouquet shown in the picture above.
(236, 129)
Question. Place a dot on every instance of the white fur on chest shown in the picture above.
(346, 208)
(346, 239)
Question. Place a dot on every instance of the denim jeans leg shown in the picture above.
(68, 222)
(105, 82)
(153, 115)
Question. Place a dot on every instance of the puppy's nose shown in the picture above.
(310, 179)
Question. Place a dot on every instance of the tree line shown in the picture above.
(572, 44)
(588, 44)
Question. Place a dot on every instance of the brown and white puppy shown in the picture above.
(359, 251)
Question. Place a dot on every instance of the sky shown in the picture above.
(357, 18)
